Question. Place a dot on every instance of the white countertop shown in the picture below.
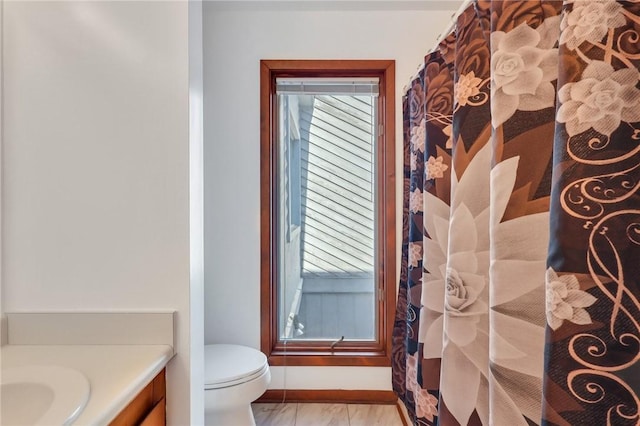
(116, 373)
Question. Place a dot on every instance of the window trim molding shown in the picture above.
(317, 353)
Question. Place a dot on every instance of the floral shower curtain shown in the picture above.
(520, 279)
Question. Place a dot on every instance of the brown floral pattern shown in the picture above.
(521, 242)
(593, 358)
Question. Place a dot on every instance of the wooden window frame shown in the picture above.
(320, 353)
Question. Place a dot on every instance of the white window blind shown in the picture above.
(334, 86)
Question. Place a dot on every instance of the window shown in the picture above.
(327, 211)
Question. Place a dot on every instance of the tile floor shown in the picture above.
(313, 414)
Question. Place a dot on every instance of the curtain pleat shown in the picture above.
(520, 281)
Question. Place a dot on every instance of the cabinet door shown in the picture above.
(144, 404)
(157, 416)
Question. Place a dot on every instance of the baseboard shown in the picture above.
(402, 412)
(329, 396)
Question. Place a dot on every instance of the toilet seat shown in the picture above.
(231, 365)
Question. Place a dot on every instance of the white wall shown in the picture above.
(236, 36)
(2, 316)
(196, 211)
(95, 201)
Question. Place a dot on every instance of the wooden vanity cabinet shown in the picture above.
(148, 408)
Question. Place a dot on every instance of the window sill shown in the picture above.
(326, 358)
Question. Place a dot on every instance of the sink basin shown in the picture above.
(42, 395)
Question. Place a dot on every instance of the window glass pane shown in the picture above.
(326, 210)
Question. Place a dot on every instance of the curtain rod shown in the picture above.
(452, 22)
(439, 38)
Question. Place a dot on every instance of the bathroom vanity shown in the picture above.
(73, 379)
(125, 382)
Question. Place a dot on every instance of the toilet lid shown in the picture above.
(229, 363)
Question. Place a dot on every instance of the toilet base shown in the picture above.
(238, 416)
(231, 406)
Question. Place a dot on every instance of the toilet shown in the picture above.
(235, 376)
